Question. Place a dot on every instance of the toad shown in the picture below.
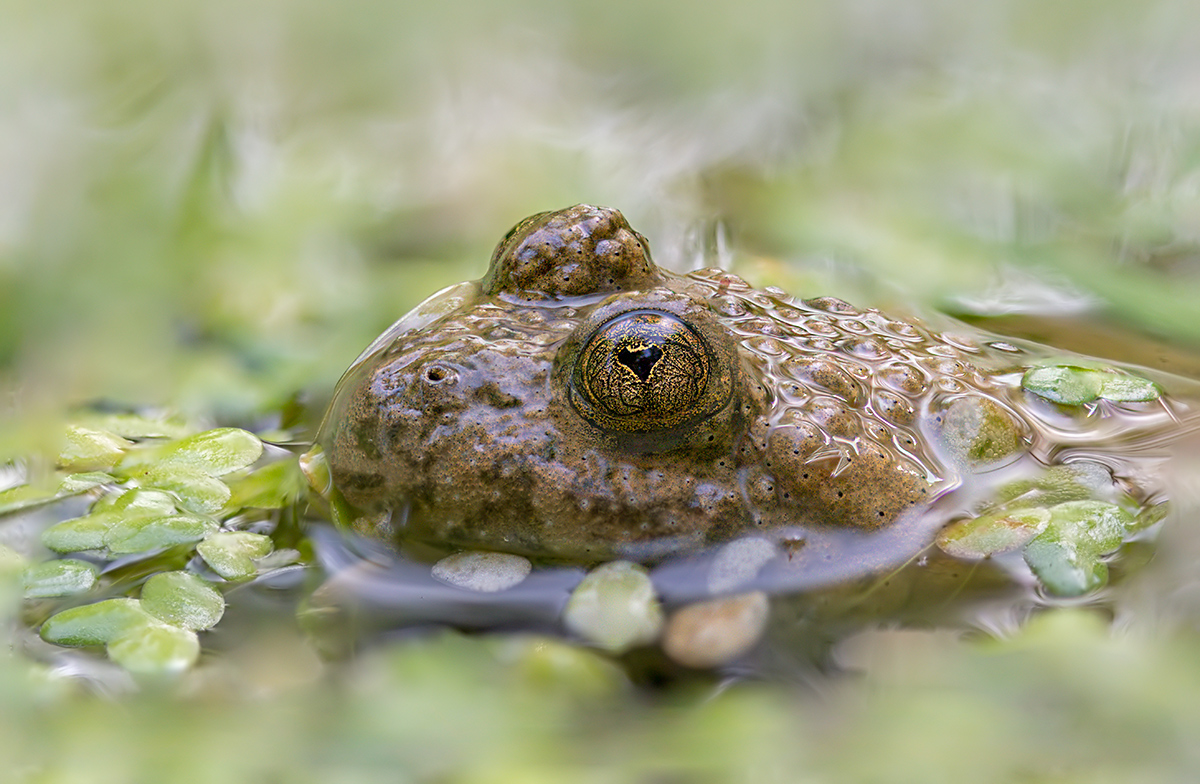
(581, 403)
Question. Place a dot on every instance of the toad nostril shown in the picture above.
(436, 374)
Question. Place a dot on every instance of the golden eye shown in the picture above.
(645, 370)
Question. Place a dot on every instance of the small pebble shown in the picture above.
(615, 607)
(482, 571)
(710, 634)
(739, 562)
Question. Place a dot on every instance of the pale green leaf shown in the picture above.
(1096, 526)
(22, 497)
(215, 452)
(90, 531)
(1128, 389)
(156, 649)
(1062, 569)
(141, 534)
(80, 533)
(183, 599)
(91, 450)
(1064, 384)
(196, 490)
(232, 554)
(1067, 556)
(270, 487)
(95, 624)
(59, 578)
(141, 501)
(73, 484)
(1067, 482)
(139, 426)
(992, 534)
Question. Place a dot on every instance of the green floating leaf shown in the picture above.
(232, 554)
(142, 501)
(22, 497)
(96, 624)
(59, 578)
(271, 487)
(142, 534)
(91, 450)
(73, 484)
(155, 650)
(1071, 385)
(1066, 557)
(995, 533)
(196, 490)
(1064, 384)
(215, 452)
(90, 532)
(1070, 482)
(139, 426)
(80, 534)
(183, 599)
(1063, 569)
(1097, 527)
(1150, 515)
(1128, 389)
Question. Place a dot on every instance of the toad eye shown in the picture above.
(646, 370)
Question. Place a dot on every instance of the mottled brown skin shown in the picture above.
(480, 428)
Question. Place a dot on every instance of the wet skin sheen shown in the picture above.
(579, 402)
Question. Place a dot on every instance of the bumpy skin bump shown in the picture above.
(573, 252)
(480, 428)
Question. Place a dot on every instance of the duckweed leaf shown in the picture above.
(73, 484)
(139, 426)
(995, 533)
(215, 452)
(271, 487)
(1071, 385)
(232, 554)
(1062, 568)
(1150, 515)
(156, 649)
(96, 624)
(1064, 384)
(1128, 389)
(59, 578)
(141, 501)
(1066, 557)
(80, 533)
(183, 599)
(21, 497)
(1099, 527)
(196, 490)
(91, 450)
(1067, 482)
(141, 534)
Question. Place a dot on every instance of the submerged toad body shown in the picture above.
(579, 402)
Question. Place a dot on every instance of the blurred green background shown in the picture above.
(213, 206)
